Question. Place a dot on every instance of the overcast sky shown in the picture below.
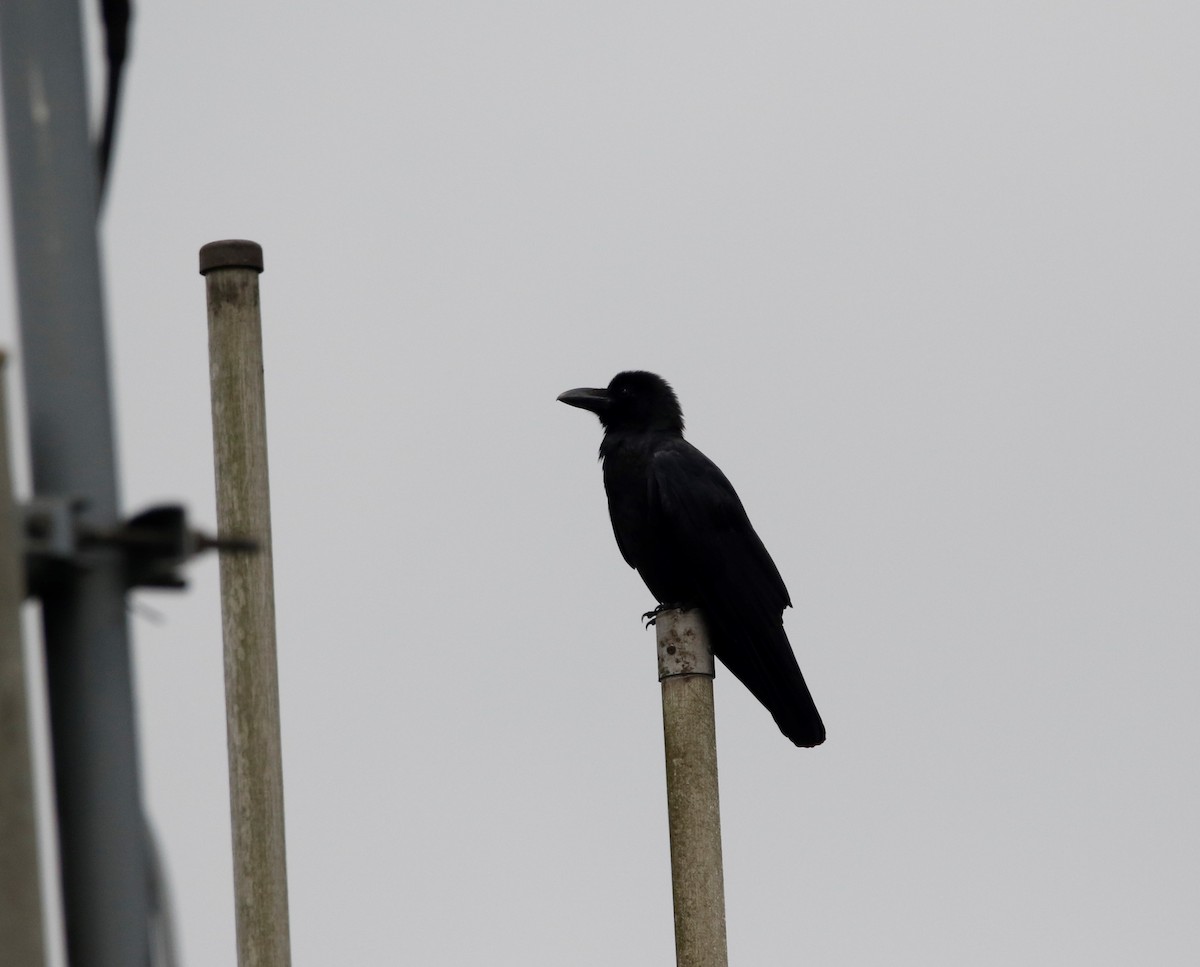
(925, 279)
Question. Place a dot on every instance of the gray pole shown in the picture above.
(21, 936)
(239, 415)
(685, 668)
(52, 183)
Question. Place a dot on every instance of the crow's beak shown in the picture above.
(595, 400)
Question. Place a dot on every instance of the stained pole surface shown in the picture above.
(685, 669)
(231, 269)
(52, 186)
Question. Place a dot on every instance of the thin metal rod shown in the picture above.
(52, 183)
(21, 930)
(239, 416)
(685, 669)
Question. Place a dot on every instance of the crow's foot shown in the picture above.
(650, 617)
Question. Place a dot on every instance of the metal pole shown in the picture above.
(239, 415)
(685, 668)
(21, 936)
(52, 183)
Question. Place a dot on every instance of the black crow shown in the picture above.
(679, 521)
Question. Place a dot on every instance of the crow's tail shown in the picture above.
(763, 660)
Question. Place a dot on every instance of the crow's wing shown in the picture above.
(734, 582)
(699, 511)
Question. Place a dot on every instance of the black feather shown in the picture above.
(678, 520)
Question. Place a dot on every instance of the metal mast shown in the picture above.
(52, 183)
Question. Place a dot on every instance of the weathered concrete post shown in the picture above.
(685, 669)
(231, 270)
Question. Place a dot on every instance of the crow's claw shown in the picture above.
(650, 617)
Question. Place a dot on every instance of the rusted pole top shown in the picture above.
(231, 253)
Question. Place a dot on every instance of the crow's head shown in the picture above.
(634, 400)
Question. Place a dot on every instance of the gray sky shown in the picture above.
(924, 277)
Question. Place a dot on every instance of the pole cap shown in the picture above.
(683, 647)
(231, 253)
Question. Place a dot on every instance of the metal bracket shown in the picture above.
(153, 544)
(51, 526)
